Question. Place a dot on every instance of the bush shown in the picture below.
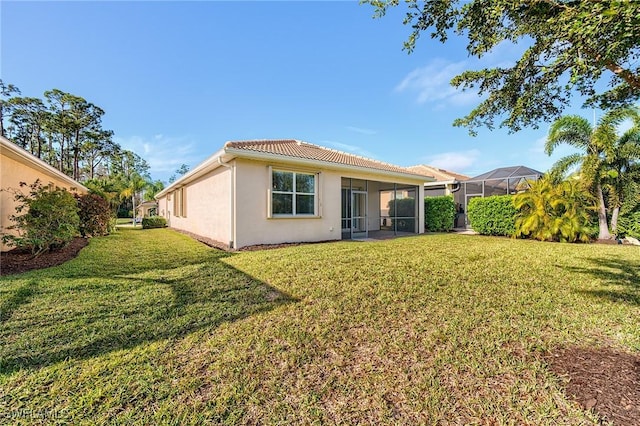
(629, 225)
(46, 219)
(439, 213)
(493, 215)
(551, 211)
(154, 222)
(94, 215)
(124, 213)
(406, 211)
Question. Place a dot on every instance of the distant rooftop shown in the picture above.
(299, 149)
(508, 172)
(440, 175)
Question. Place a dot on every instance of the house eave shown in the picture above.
(327, 165)
(201, 169)
(227, 154)
(438, 183)
(13, 151)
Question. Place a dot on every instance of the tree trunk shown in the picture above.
(76, 155)
(62, 154)
(614, 220)
(603, 234)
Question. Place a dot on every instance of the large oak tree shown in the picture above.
(590, 48)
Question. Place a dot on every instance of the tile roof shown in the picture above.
(299, 149)
(441, 175)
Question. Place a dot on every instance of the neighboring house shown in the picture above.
(147, 208)
(500, 181)
(278, 191)
(446, 183)
(18, 165)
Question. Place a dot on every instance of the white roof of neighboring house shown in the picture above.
(441, 176)
(295, 152)
(147, 204)
(12, 150)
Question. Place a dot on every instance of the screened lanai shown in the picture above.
(501, 181)
(378, 207)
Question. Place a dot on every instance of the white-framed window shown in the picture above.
(293, 193)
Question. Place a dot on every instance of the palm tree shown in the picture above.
(133, 186)
(550, 211)
(153, 188)
(624, 172)
(598, 151)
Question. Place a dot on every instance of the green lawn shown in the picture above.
(149, 327)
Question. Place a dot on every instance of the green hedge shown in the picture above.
(154, 222)
(492, 215)
(95, 215)
(439, 213)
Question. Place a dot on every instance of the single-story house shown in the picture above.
(146, 209)
(18, 165)
(279, 191)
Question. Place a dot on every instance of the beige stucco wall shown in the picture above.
(13, 170)
(208, 210)
(254, 227)
(252, 223)
(212, 201)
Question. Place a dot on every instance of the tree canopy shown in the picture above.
(575, 47)
(66, 131)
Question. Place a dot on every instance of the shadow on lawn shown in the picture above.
(623, 274)
(22, 296)
(124, 311)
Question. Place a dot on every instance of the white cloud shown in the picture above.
(353, 149)
(431, 83)
(362, 130)
(164, 154)
(538, 146)
(455, 161)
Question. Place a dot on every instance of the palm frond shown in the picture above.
(571, 130)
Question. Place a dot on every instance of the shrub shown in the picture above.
(94, 215)
(555, 212)
(493, 215)
(405, 210)
(154, 222)
(439, 213)
(46, 219)
(124, 213)
(629, 225)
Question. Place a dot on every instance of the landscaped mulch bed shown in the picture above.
(17, 261)
(602, 379)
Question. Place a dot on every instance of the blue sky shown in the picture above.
(178, 79)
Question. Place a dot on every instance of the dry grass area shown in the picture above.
(151, 327)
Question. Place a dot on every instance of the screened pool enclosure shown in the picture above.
(502, 181)
(372, 206)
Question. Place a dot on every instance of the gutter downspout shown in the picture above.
(232, 223)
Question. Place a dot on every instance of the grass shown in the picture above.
(151, 327)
